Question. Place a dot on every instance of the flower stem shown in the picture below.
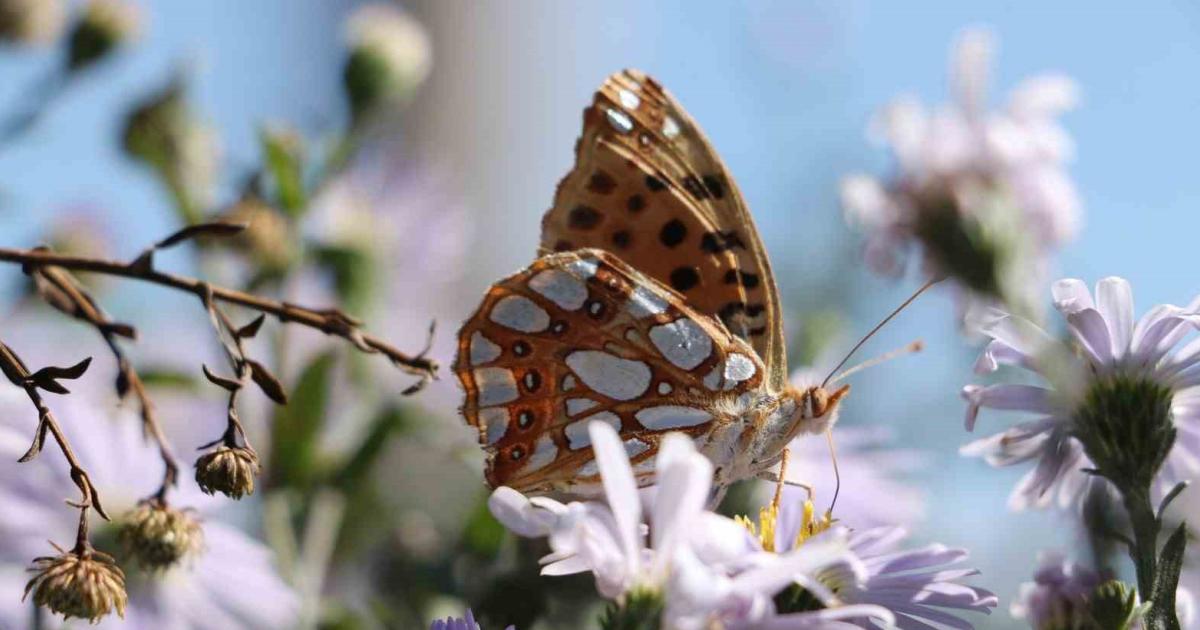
(1144, 554)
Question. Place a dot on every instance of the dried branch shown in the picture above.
(330, 321)
(18, 374)
(61, 290)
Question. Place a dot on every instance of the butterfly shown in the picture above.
(652, 308)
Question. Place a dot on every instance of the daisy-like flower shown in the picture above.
(911, 588)
(983, 193)
(230, 581)
(1117, 376)
(699, 567)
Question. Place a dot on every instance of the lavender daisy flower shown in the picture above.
(984, 193)
(1112, 358)
(916, 587)
(231, 582)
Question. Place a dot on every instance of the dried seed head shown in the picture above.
(228, 470)
(268, 237)
(159, 537)
(88, 585)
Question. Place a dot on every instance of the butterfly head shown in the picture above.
(817, 407)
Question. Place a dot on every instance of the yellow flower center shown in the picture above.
(768, 518)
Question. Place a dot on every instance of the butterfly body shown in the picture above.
(654, 310)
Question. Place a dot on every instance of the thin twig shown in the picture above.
(59, 288)
(330, 321)
(16, 371)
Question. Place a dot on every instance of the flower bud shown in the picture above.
(267, 240)
(163, 133)
(159, 537)
(1126, 428)
(228, 470)
(105, 25)
(641, 607)
(390, 57)
(32, 22)
(86, 584)
(1113, 605)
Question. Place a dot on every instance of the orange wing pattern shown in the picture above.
(581, 336)
(648, 186)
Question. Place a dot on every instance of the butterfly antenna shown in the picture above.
(913, 347)
(837, 474)
(878, 326)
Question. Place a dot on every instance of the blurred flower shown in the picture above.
(1065, 595)
(232, 583)
(32, 22)
(228, 470)
(104, 25)
(1058, 595)
(86, 583)
(390, 57)
(163, 133)
(459, 623)
(1115, 372)
(984, 193)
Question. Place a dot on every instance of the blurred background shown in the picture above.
(414, 216)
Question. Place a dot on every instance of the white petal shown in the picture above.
(1018, 333)
(1044, 96)
(1114, 300)
(1006, 396)
(1071, 295)
(520, 516)
(972, 58)
(684, 479)
(620, 489)
(1092, 332)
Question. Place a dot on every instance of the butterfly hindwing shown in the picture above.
(648, 186)
(581, 336)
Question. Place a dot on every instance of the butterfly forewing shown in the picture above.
(648, 186)
(579, 337)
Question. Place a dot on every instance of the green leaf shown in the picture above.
(285, 163)
(359, 464)
(1166, 580)
(167, 377)
(297, 426)
(352, 274)
(483, 534)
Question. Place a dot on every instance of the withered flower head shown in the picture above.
(105, 25)
(228, 470)
(159, 537)
(267, 238)
(31, 22)
(86, 584)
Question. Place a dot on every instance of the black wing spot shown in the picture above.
(525, 419)
(520, 348)
(694, 187)
(715, 186)
(673, 232)
(583, 218)
(754, 310)
(717, 242)
(516, 453)
(621, 239)
(563, 246)
(654, 184)
(601, 183)
(685, 278)
(532, 380)
(635, 203)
